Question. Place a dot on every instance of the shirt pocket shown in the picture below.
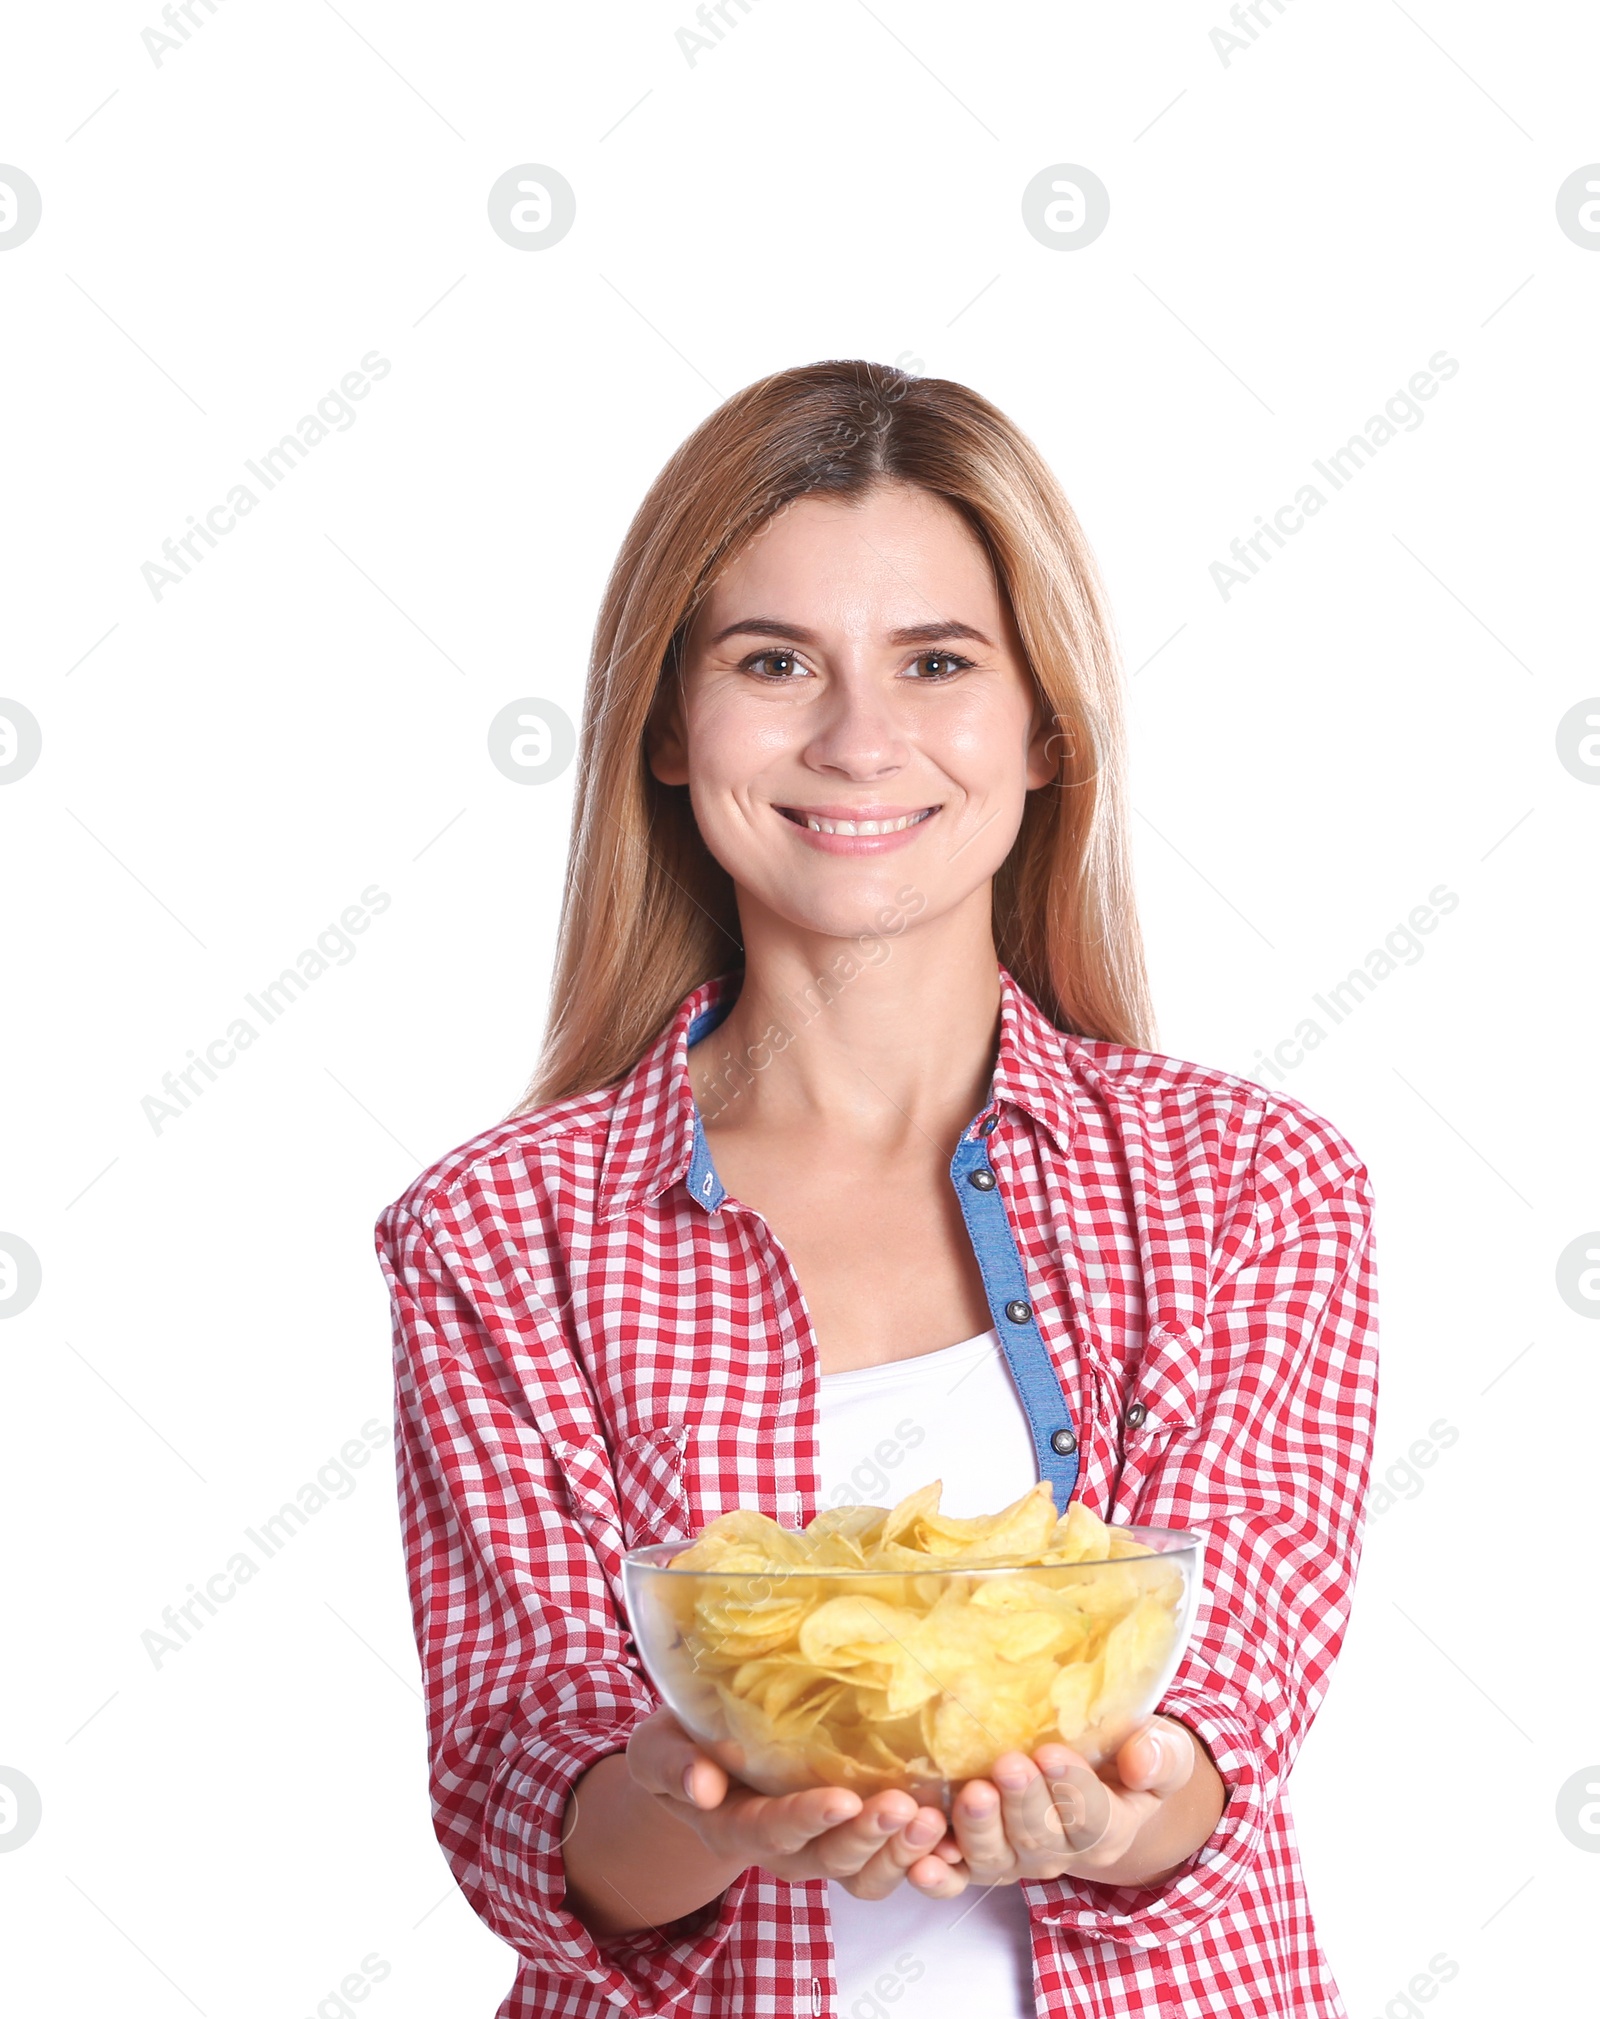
(1160, 1409)
(649, 1469)
(633, 1496)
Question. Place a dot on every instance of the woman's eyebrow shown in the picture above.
(930, 634)
(907, 634)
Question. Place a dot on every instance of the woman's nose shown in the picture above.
(857, 734)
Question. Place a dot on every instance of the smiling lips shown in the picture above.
(856, 830)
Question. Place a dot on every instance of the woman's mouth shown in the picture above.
(857, 830)
(856, 824)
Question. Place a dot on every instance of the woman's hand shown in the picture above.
(822, 1833)
(1053, 1816)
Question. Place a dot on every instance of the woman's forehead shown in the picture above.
(897, 555)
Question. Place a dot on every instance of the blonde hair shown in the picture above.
(648, 913)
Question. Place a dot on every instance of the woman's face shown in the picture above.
(856, 714)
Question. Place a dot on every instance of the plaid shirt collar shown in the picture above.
(656, 1140)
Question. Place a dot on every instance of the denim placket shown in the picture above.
(705, 1187)
(1005, 1284)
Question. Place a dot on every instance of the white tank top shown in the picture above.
(953, 1415)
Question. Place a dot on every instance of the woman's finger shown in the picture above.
(841, 1852)
(755, 1825)
(936, 1878)
(1027, 1812)
(1082, 1800)
(664, 1760)
(704, 1784)
(979, 1829)
(888, 1865)
(1158, 1759)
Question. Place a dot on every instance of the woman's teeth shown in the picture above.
(820, 826)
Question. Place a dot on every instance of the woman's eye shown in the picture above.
(775, 665)
(938, 665)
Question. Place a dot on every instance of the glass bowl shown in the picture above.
(869, 1679)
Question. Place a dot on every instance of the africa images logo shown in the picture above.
(1402, 413)
(334, 412)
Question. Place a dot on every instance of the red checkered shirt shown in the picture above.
(588, 1358)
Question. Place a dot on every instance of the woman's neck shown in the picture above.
(874, 1030)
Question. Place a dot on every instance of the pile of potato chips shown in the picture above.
(916, 1675)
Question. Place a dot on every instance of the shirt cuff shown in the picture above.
(523, 1876)
(1150, 1917)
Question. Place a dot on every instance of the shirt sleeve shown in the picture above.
(1268, 1411)
(528, 1671)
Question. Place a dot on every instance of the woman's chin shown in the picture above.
(860, 900)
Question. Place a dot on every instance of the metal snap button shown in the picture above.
(987, 1128)
(981, 1180)
(1135, 1415)
(1018, 1312)
(1063, 1443)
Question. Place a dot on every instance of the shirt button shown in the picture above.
(1063, 1443)
(987, 1128)
(1018, 1312)
(1135, 1415)
(981, 1180)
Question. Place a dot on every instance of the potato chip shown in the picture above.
(851, 1629)
(754, 1611)
(905, 1514)
(1021, 1530)
(1102, 1595)
(1071, 1694)
(1077, 1537)
(776, 1685)
(876, 1752)
(860, 1526)
(973, 1723)
(1130, 1646)
(1055, 1625)
(744, 1540)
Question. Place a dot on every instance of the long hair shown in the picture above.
(648, 913)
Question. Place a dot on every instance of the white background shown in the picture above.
(1293, 233)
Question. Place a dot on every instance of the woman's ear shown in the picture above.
(666, 746)
(1050, 741)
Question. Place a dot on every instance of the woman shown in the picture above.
(846, 1142)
